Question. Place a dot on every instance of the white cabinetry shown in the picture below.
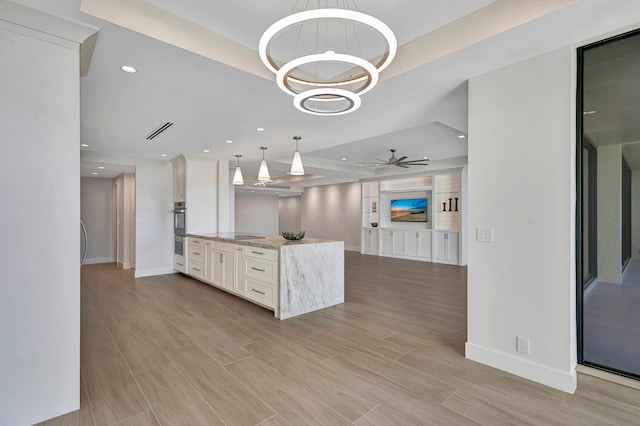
(222, 265)
(198, 258)
(370, 241)
(447, 246)
(418, 244)
(261, 276)
(439, 239)
(393, 242)
(179, 182)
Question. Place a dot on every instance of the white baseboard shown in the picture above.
(155, 271)
(352, 248)
(565, 381)
(98, 260)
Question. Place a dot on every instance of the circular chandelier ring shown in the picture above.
(283, 76)
(353, 99)
(315, 14)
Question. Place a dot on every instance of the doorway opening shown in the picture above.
(108, 212)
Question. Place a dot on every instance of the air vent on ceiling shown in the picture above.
(159, 130)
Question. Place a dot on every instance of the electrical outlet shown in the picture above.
(522, 345)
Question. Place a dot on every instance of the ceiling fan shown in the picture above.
(398, 162)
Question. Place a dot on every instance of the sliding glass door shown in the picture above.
(608, 193)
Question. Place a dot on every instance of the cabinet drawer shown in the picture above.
(196, 269)
(229, 248)
(178, 263)
(196, 242)
(260, 253)
(261, 270)
(197, 253)
(260, 292)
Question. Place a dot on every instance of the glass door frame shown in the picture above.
(578, 218)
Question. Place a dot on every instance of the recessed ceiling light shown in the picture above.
(377, 165)
(128, 69)
(253, 190)
(425, 158)
(229, 141)
(589, 112)
(205, 150)
(260, 129)
(163, 155)
(101, 167)
(288, 173)
(84, 145)
(344, 158)
(461, 136)
(94, 173)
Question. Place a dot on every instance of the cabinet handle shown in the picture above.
(417, 235)
(257, 269)
(196, 241)
(257, 252)
(196, 269)
(391, 233)
(221, 257)
(446, 236)
(259, 292)
(196, 253)
(179, 264)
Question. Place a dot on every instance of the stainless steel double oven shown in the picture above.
(179, 226)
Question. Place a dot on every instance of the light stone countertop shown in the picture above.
(273, 242)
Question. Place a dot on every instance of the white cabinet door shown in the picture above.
(399, 240)
(412, 239)
(387, 242)
(222, 265)
(447, 247)
(370, 241)
(424, 244)
(393, 242)
(179, 182)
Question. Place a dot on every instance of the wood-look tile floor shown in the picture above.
(173, 351)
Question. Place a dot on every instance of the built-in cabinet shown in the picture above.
(436, 240)
(179, 181)
(249, 272)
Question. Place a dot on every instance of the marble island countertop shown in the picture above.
(258, 240)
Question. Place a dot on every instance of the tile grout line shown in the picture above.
(86, 391)
(454, 392)
(365, 414)
(134, 379)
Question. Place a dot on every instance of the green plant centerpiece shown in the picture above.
(293, 235)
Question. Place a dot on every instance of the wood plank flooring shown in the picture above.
(170, 350)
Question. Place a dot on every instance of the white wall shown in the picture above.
(610, 213)
(96, 211)
(154, 219)
(635, 213)
(124, 219)
(290, 217)
(256, 213)
(333, 212)
(40, 193)
(523, 284)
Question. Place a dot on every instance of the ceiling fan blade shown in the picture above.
(414, 164)
(401, 158)
(414, 161)
(376, 164)
(401, 165)
(380, 160)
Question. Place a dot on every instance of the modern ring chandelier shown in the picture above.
(329, 79)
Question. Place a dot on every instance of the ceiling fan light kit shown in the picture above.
(337, 96)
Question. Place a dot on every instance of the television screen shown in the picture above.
(409, 210)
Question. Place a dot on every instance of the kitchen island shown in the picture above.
(289, 277)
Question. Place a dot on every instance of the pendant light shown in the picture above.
(263, 173)
(237, 176)
(308, 76)
(296, 165)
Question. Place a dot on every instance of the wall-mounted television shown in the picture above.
(409, 210)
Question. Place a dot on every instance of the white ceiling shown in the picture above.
(225, 93)
(94, 169)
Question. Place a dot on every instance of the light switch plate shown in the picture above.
(484, 235)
